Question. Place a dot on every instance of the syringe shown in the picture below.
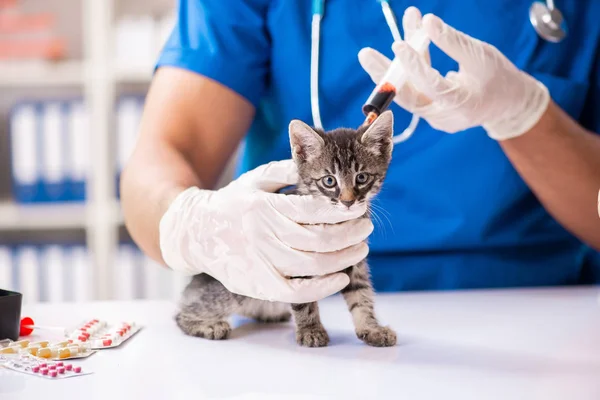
(393, 80)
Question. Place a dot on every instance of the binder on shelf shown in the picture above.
(127, 275)
(26, 258)
(81, 273)
(78, 128)
(39, 151)
(47, 273)
(160, 282)
(24, 153)
(50, 147)
(6, 269)
(63, 273)
(54, 177)
(55, 269)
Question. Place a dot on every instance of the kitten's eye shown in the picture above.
(362, 178)
(328, 181)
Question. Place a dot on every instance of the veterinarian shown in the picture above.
(496, 187)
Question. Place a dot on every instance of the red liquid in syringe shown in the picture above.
(379, 101)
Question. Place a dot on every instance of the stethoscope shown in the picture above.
(546, 19)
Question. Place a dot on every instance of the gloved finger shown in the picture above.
(309, 290)
(304, 263)
(424, 78)
(271, 177)
(311, 210)
(459, 46)
(374, 63)
(411, 23)
(324, 238)
(409, 98)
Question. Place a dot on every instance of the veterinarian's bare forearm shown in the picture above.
(560, 161)
(150, 182)
(190, 128)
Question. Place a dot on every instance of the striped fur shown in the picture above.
(343, 154)
(347, 156)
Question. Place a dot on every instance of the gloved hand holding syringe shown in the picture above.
(391, 83)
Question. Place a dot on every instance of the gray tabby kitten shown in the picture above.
(345, 165)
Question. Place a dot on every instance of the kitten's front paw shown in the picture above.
(211, 330)
(312, 337)
(378, 336)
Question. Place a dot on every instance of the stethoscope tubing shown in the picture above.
(546, 19)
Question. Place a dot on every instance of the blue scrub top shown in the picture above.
(457, 213)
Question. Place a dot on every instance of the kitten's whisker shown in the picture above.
(375, 209)
(377, 221)
(387, 217)
(382, 209)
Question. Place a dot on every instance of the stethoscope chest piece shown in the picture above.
(547, 21)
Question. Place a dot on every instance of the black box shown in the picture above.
(10, 314)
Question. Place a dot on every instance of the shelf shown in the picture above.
(52, 216)
(67, 73)
(41, 216)
(133, 75)
(41, 74)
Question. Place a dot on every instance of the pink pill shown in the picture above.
(77, 369)
(51, 367)
(61, 370)
(59, 364)
(35, 369)
(43, 365)
(53, 374)
(44, 371)
(68, 367)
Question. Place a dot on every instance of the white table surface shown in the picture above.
(504, 344)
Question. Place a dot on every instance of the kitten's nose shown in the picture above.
(347, 203)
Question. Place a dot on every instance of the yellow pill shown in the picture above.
(75, 350)
(33, 350)
(21, 343)
(64, 353)
(43, 343)
(61, 344)
(47, 352)
(8, 350)
(44, 353)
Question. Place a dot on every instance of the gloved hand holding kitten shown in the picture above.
(488, 90)
(251, 239)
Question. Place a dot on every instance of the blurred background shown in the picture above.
(73, 75)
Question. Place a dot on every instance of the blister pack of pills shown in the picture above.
(45, 349)
(48, 370)
(102, 334)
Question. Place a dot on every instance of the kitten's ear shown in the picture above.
(306, 144)
(378, 136)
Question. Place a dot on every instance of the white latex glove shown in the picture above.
(250, 239)
(488, 90)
